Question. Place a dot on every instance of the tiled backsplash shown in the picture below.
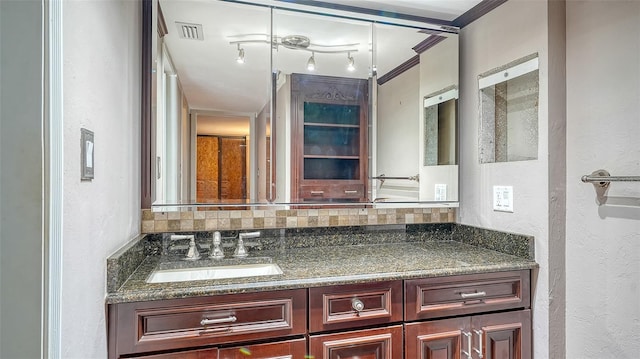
(157, 222)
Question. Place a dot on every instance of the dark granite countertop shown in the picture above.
(329, 265)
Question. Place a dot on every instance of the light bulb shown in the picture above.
(311, 64)
(240, 58)
(351, 65)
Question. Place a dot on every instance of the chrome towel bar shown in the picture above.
(382, 178)
(602, 178)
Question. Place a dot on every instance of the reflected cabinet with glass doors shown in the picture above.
(329, 138)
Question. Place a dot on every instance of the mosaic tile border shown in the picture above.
(158, 222)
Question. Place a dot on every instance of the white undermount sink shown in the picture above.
(218, 272)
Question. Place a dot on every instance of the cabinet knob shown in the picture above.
(357, 305)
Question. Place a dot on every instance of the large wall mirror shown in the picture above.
(257, 103)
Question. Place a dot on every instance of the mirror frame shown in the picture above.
(151, 16)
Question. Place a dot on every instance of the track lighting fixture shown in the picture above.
(296, 42)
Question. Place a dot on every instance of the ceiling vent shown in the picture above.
(190, 31)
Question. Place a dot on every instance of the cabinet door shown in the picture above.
(289, 349)
(503, 335)
(438, 339)
(189, 354)
(329, 124)
(383, 343)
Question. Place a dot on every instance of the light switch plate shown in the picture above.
(86, 153)
(441, 192)
(503, 198)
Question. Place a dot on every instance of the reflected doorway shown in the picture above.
(221, 168)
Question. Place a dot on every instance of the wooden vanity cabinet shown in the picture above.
(466, 294)
(329, 122)
(475, 316)
(349, 308)
(504, 335)
(171, 325)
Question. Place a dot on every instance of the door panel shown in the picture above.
(439, 339)
(383, 343)
(221, 169)
(291, 349)
(503, 335)
(207, 169)
(191, 354)
(233, 178)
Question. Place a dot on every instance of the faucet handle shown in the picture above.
(192, 252)
(241, 251)
(249, 235)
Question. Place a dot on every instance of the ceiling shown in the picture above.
(211, 78)
(447, 10)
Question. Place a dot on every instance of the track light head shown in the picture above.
(311, 64)
(240, 58)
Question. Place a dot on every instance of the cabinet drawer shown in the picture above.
(357, 305)
(296, 348)
(319, 192)
(467, 294)
(181, 323)
(380, 343)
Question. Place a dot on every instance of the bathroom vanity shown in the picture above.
(417, 299)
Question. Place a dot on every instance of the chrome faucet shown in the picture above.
(192, 251)
(241, 251)
(216, 252)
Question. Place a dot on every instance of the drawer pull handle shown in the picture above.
(357, 305)
(479, 349)
(230, 319)
(467, 352)
(473, 295)
(350, 191)
(317, 193)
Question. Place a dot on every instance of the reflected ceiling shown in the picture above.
(212, 79)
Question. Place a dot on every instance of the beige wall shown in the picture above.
(603, 131)
(102, 93)
(513, 30)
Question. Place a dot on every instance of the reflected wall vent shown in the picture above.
(190, 31)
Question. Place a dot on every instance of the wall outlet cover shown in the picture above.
(441, 192)
(503, 198)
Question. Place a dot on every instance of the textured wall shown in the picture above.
(101, 93)
(511, 31)
(603, 128)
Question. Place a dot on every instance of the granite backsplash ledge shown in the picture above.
(125, 261)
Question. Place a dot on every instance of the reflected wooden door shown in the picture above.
(221, 171)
